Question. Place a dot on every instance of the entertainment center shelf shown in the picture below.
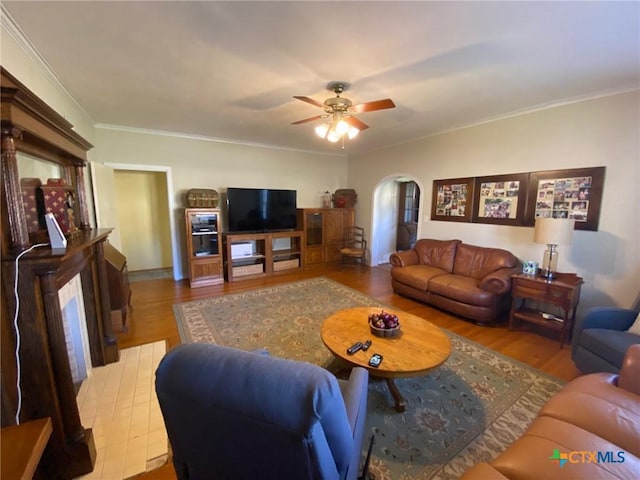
(203, 250)
(251, 255)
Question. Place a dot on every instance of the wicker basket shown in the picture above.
(385, 332)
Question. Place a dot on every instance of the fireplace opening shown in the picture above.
(74, 321)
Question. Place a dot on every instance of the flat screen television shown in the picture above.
(260, 210)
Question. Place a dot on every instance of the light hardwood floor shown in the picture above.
(152, 319)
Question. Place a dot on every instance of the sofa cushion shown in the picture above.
(437, 253)
(462, 289)
(416, 276)
(608, 344)
(586, 411)
(477, 262)
(603, 385)
(529, 456)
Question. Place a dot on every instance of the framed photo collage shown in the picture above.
(518, 199)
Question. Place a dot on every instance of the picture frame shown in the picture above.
(452, 199)
(573, 193)
(501, 199)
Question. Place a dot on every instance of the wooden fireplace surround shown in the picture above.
(30, 126)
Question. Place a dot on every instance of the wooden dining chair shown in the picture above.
(354, 247)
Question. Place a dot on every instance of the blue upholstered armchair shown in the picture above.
(232, 414)
(600, 339)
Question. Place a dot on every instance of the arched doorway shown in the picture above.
(397, 201)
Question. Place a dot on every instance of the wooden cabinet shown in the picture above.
(563, 292)
(118, 278)
(324, 231)
(251, 255)
(203, 246)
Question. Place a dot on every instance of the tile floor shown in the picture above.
(119, 403)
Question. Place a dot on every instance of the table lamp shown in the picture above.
(552, 232)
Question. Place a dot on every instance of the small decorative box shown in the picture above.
(530, 268)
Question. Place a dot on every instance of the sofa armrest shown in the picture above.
(355, 392)
(498, 282)
(611, 318)
(629, 376)
(404, 258)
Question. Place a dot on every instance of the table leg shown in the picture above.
(400, 403)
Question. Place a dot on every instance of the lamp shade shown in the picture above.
(553, 231)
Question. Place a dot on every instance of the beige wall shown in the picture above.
(200, 163)
(602, 131)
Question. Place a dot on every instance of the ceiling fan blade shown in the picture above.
(373, 106)
(309, 100)
(354, 122)
(306, 120)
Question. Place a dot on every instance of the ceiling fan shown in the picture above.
(342, 112)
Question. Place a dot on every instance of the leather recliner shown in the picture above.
(232, 414)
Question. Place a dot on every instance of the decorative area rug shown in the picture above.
(466, 411)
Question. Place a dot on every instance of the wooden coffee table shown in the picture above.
(420, 347)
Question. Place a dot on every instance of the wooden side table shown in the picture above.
(22, 447)
(563, 292)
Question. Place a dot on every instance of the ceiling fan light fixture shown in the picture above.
(322, 130)
(333, 136)
(341, 127)
(342, 123)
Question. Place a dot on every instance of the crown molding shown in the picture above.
(204, 138)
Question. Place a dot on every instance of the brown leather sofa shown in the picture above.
(592, 425)
(470, 281)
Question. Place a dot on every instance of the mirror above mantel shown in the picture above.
(38, 143)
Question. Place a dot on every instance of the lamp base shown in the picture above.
(549, 262)
(547, 274)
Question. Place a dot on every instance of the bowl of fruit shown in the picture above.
(384, 324)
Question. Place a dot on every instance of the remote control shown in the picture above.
(366, 345)
(354, 348)
(375, 360)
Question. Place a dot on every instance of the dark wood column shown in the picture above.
(11, 190)
(82, 197)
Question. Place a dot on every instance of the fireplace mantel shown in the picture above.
(31, 127)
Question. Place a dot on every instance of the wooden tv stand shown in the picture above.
(262, 254)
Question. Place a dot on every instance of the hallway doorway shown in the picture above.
(408, 214)
(395, 216)
(139, 200)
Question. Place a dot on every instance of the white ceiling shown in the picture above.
(229, 70)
